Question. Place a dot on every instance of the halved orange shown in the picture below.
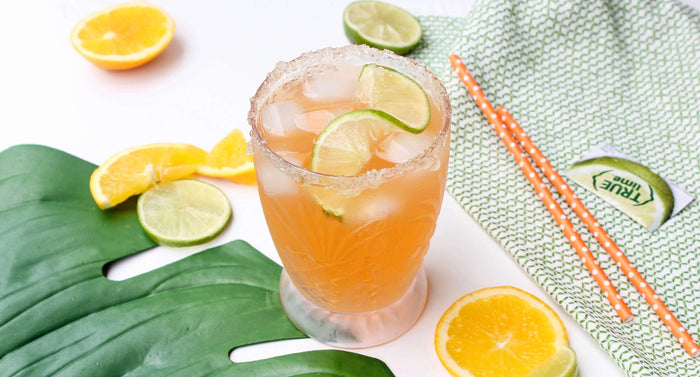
(123, 36)
(229, 159)
(134, 170)
(499, 331)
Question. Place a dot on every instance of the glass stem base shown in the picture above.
(354, 330)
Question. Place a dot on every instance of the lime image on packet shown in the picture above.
(629, 186)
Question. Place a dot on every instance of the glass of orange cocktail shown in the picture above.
(351, 195)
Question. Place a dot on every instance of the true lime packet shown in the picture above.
(629, 186)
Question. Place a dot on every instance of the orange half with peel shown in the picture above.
(123, 36)
(499, 331)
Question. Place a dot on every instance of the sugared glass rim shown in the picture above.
(286, 73)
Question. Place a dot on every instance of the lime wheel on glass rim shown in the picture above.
(397, 104)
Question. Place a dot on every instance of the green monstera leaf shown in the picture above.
(59, 315)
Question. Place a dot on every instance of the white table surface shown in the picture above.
(197, 91)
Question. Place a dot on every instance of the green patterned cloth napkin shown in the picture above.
(575, 75)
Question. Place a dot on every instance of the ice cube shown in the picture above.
(374, 208)
(402, 146)
(335, 84)
(295, 158)
(278, 118)
(313, 121)
(274, 181)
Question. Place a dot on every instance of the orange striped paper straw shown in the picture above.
(545, 195)
(677, 329)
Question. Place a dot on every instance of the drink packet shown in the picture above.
(629, 186)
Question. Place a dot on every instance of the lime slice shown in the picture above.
(381, 25)
(344, 147)
(183, 213)
(561, 364)
(348, 142)
(332, 203)
(627, 185)
(386, 89)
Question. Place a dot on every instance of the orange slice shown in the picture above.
(134, 170)
(500, 331)
(123, 36)
(228, 159)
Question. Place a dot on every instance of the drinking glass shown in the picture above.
(352, 274)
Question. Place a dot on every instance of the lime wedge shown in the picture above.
(627, 185)
(348, 142)
(381, 25)
(183, 213)
(386, 89)
(561, 364)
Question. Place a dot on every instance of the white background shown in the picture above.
(197, 91)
